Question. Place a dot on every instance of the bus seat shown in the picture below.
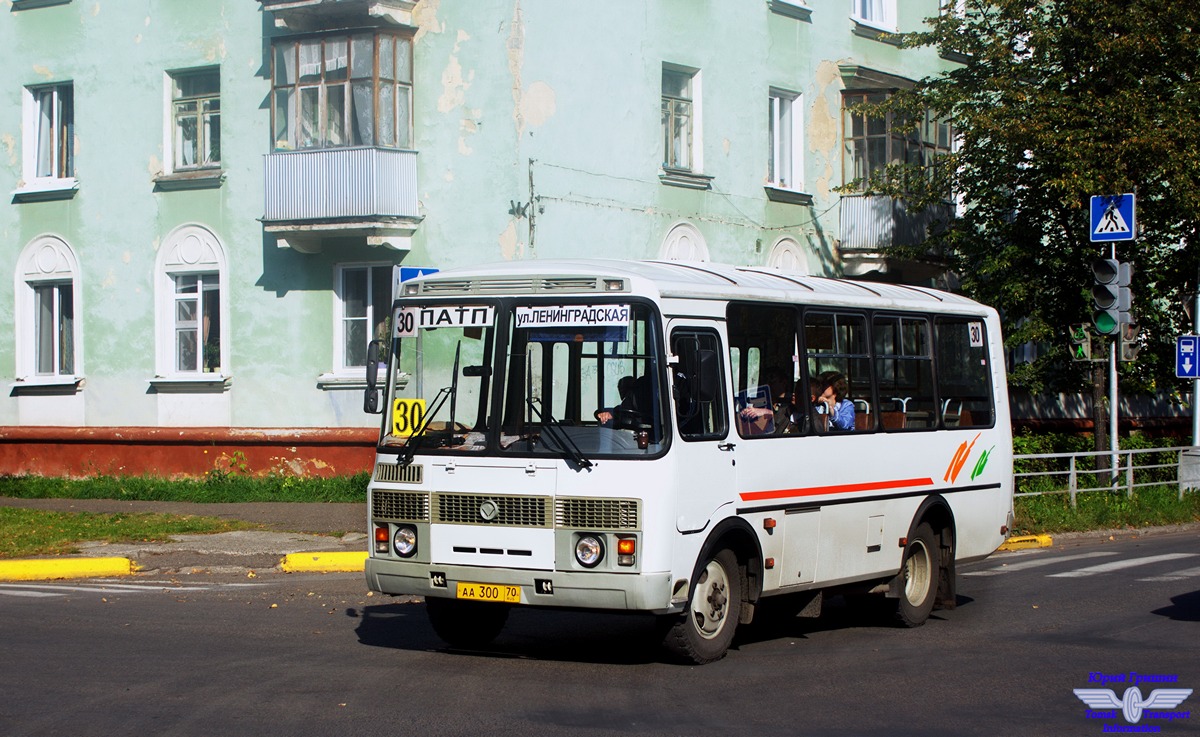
(892, 420)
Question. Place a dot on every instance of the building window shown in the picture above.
(363, 300)
(47, 330)
(196, 113)
(50, 133)
(197, 322)
(193, 338)
(785, 167)
(344, 90)
(880, 13)
(679, 118)
(873, 142)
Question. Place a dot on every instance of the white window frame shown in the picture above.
(31, 128)
(46, 261)
(696, 128)
(189, 250)
(170, 120)
(880, 14)
(786, 132)
(341, 367)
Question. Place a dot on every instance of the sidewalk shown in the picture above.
(296, 537)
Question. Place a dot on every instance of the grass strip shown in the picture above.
(214, 488)
(26, 533)
(1102, 510)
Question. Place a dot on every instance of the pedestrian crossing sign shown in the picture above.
(1113, 218)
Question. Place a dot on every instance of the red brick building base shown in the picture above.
(184, 451)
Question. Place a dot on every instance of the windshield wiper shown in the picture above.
(414, 440)
(560, 436)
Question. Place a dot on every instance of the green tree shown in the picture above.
(1054, 101)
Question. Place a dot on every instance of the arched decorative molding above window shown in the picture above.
(191, 248)
(684, 243)
(788, 256)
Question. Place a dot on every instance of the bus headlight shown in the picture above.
(589, 550)
(405, 541)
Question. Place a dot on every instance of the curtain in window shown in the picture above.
(872, 10)
(44, 100)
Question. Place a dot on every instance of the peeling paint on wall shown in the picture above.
(823, 124)
(424, 15)
(10, 144)
(516, 60)
(454, 86)
(538, 104)
(155, 166)
(510, 247)
(42, 71)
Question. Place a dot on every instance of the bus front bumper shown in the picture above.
(642, 592)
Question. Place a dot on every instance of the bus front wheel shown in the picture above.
(705, 630)
(919, 574)
(468, 624)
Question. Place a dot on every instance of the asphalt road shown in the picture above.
(315, 655)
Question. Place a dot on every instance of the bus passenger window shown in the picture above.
(836, 344)
(964, 387)
(762, 351)
(904, 371)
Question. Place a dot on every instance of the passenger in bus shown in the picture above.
(625, 391)
(778, 417)
(831, 405)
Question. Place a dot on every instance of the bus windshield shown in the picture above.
(583, 380)
(440, 378)
(574, 381)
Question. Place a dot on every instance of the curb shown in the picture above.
(1027, 542)
(49, 569)
(40, 569)
(325, 562)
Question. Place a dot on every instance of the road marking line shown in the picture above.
(1023, 565)
(1176, 576)
(1117, 565)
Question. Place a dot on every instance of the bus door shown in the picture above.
(704, 462)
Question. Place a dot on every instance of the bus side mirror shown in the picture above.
(371, 397)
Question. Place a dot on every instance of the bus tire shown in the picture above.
(705, 630)
(919, 572)
(468, 624)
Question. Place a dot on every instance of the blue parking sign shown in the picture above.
(1186, 364)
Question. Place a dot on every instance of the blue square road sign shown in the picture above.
(1186, 364)
(1113, 218)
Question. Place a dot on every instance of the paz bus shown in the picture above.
(642, 437)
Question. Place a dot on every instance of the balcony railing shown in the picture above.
(361, 182)
(872, 222)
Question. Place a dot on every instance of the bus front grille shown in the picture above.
(409, 506)
(596, 514)
(492, 509)
(395, 473)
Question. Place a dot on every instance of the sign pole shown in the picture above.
(1113, 398)
(1196, 381)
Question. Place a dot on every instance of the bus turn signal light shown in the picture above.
(626, 548)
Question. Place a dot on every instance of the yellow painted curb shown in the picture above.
(327, 562)
(41, 569)
(1027, 542)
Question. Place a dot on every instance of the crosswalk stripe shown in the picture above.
(1117, 565)
(106, 587)
(1176, 576)
(1027, 564)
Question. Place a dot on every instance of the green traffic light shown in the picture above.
(1106, 323)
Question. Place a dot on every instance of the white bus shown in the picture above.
(690, 440)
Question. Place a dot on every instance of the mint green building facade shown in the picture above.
(206, 200)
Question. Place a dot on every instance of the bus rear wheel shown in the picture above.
(468, 624)
(705, 630)
(919, 573)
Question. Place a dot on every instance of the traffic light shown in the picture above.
(1081, 343)
(1111, 297)
(1129, 343)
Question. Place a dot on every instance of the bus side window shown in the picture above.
(963, 375)
(699, 386)
(837, 343)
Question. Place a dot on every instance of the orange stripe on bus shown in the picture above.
(753, 496)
